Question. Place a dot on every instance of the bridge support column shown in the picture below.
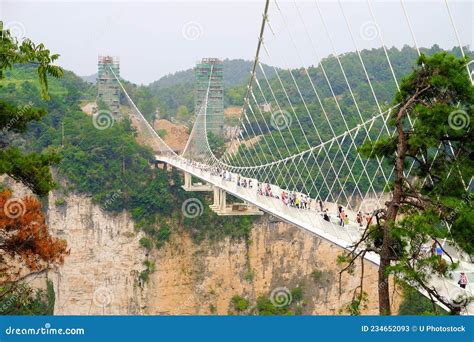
(222, 201)
(217, 198)
(221, 208)
(189, 186)
(187, 180)
(160, 165)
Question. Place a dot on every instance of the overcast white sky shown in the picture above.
(154, 38)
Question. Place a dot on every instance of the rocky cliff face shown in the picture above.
(100, 276)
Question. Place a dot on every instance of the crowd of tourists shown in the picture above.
(289, 198)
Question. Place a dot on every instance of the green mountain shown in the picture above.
(175, 92)
(236, 72)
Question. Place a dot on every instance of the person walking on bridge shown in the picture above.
(462, 280)
(326, 216)
(342, 217)
(359, 218)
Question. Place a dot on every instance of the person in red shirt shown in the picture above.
(342, 217)
(462, 280)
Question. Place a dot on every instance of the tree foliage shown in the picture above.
(432, 202)
(31, 169)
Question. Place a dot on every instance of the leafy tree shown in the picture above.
(433, 197)
(31, 169)
(357, 304)
(162, 133)
(101, 105)
(163, 235)
(23, 232)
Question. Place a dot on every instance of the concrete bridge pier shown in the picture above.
(163, 165)
(222, 208)
(189, 186)
(215, 206)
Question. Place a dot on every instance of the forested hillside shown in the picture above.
(107, 162)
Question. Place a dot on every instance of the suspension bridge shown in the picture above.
(307, 148)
